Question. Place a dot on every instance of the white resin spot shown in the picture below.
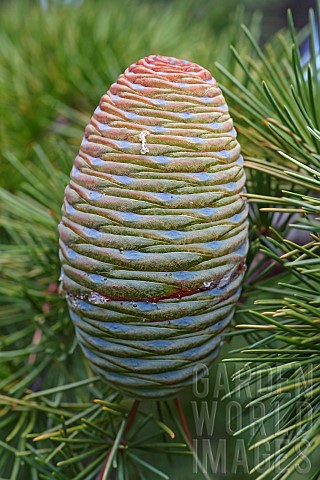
(142, 138)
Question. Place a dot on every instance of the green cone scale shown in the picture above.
(154, 231)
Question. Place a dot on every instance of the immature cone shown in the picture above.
(153, 236)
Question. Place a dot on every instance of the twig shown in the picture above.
(188, 438)
(125, 426)
(131, 416)
(183, 420)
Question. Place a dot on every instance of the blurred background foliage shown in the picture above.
(57, 59)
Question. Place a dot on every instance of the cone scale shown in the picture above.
(154, 233)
